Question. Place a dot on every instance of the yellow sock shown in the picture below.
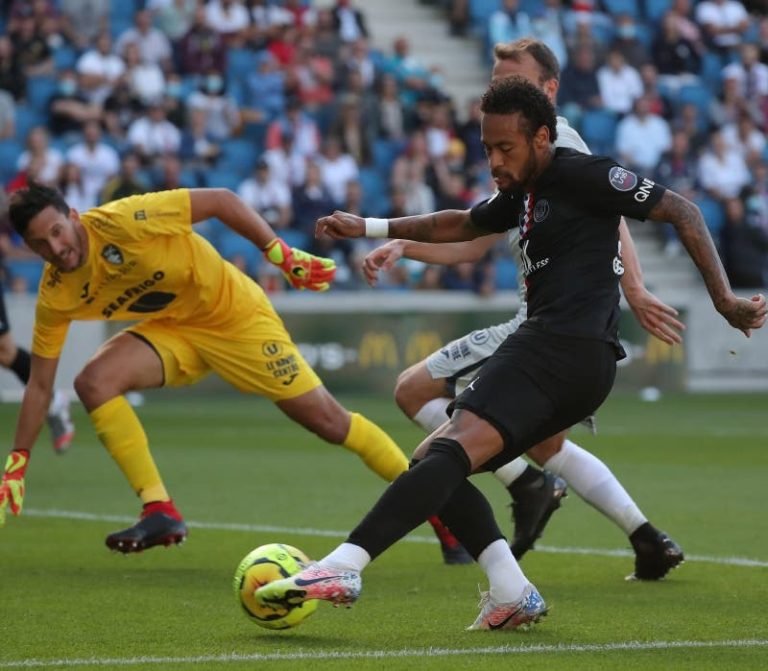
(377, 450)
(120, 431)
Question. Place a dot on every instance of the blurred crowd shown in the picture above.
(286, 103)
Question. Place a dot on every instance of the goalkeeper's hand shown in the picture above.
(302, 269)
(12, 484)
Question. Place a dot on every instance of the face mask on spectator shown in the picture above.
(67, 87)
(214, 84)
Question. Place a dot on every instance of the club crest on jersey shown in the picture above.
(541, 210)
(479, 337)
(622, 179)
(112, 255)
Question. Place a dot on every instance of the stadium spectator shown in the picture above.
(201, 49)
(99, 70)
(286, 164)
(579, 89)
(349, 21)
(355, 132)
(30, 48)
(82, 21)
(145, 78)
(173, 18)
(413, 77)
(359, 60)
(170, 175)
(127, 182)
(508, 23)
(12, 77)
(199, 148)
(311, 76)
(723, 23)
(98, 162)
(48, 159)
(268, 196)
(390, 120)
(70, 184)
(7, 115)
(642, 137)
(230, 19)
(152, 135)
(746, 138)
(203, 303)
(548, 27)
(311, 199)
(304, 129)
(153, 45)
(302, 14)
(223, 119)
(722, 170)
(749, 72)
(620, 84)
(469, 134)
(337, 168)
(264, 91)
(682, 15)
(745, 248)
(121, 109)
(677, 59)
(68, 109)
(628, 42)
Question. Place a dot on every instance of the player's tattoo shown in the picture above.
(449, 226)
(689, 223)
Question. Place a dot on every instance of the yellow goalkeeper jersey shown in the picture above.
(144, 262)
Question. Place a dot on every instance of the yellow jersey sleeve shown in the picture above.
(143, 217)
(50, 332)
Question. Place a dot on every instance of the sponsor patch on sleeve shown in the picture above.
(622, 179)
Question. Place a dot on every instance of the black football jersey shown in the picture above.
(569, 239)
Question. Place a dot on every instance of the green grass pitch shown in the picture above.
(244, 475)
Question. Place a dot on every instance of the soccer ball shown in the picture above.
(265, 564)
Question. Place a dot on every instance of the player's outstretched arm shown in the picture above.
(655, 316)
(447, 253)
(741, 313)
(34, 408)
(301, 269)
(443, 226)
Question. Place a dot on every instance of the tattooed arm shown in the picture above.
(741, 313)
(443, 226)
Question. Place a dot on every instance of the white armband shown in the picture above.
(376, 228)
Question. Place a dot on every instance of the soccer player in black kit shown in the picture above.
(556, 369)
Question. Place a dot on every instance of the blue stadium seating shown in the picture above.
(616, 7)
(655, 9)
(384, 154)
(694, 94)
(375, 195)
(27, 118)
(39, 92)
(222, 179)
(30, 270)
(713, 214)
(240, 64)
(598, 128)
(506, 273)
(238, 155)
(294, 238)
(712, 71)
(10, 150)
(232, 245)
(64, 57)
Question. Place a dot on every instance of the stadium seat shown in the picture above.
(598, 128)
(617, 7)
(232, 245)
(238, 155)
(29, 270)
(39, 92)
(506, 274)
(374, 192)
(294, 238)
(384, 154)
(222, 179)
(713, 215)
(655, 9)
(712, 71)
(240, 64)
(27, 118)
(694, 94)
(64, 57)
(10, 150)
(480, 11)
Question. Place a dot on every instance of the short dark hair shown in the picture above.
(536, 49)
(516, 94)
(25, 204)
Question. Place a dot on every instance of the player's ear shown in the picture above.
(541, 138)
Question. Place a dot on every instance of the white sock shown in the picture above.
(593, 481)
(347, 557)
(505, 577)
(432, 414)
(510, 472)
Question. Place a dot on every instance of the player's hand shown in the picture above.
(746, 314)
(302, 269)
(340, 225)
(655, 316)
(12, 484)
(382, 258)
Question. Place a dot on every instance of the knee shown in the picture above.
(547, 449)
(88, 387)
(410, 392)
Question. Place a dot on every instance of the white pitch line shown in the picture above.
(629, 646)
(329, 533)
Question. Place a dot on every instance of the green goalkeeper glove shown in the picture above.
(302, 269)
(12, 484)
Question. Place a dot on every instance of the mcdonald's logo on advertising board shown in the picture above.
(378, 350)
(421, 344)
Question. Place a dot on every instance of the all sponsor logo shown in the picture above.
(112, 254)
(140, 215)
(644, 191)
(622, 179)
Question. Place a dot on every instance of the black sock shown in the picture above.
(413, 497)
(645, 532)
(528, 477)
(21, 365)
(470, 518)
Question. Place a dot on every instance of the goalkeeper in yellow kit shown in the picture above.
(139, 259)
